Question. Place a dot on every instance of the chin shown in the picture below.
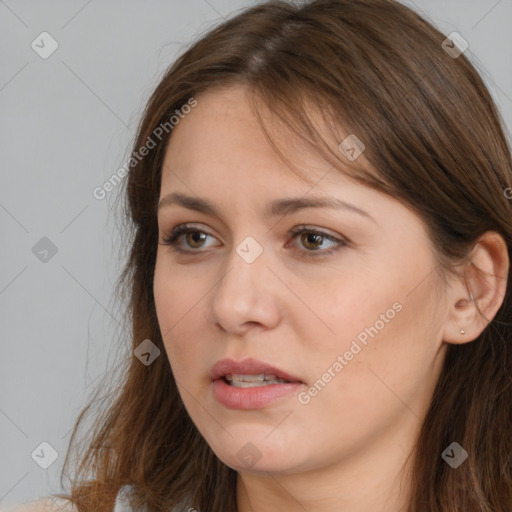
(256, 454)
(263, 465)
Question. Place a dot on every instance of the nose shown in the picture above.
(246, 295)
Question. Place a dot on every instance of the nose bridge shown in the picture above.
(242, 294)
(244, 269)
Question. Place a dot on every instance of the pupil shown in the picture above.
(315, 236)
(194, 236)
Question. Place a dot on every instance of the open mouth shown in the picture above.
(251, 384)
(251, 381)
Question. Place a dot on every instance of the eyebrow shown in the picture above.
(279, 207)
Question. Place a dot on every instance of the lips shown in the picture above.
(248, 367)
(251, 384)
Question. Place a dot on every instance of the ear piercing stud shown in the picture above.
(472, 300)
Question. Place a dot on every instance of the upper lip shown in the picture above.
(248, 367)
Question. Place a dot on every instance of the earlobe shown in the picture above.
(461, 325)
(479, 294)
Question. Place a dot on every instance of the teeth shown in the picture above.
(246, 378)
(252, 384)
(249, 381)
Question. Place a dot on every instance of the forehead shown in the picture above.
(222, 138)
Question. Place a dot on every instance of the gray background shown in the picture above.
(67, 124)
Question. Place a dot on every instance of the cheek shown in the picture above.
(386, 338)
(178, 304)
(385, 320)
(341, 308)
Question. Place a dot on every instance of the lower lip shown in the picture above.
(255, 397)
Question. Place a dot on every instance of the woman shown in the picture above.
(318, 276)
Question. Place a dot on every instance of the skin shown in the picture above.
(347, 448)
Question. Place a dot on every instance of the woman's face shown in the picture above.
(355, 321)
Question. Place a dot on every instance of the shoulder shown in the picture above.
(42, 505)
(52, 504)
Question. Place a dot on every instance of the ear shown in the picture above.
(475, 299)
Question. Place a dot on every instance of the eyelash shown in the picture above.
(181, 229)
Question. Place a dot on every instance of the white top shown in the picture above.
(122, 504)
(61, 505)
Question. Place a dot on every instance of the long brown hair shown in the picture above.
(434, 140)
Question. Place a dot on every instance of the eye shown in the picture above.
(193, 236)
(312, 240)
